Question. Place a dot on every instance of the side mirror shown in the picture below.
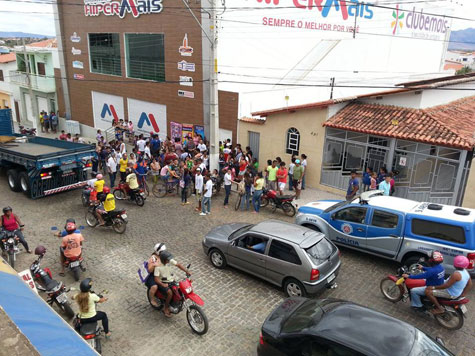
(333, 216)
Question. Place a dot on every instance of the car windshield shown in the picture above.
(307, 315)
(425, 346)
(321, 251)
(238, 231)
(335, 206)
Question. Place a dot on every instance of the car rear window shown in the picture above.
(439, 231)
(321, 251)
(305, 316)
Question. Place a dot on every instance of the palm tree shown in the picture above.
(464, 70)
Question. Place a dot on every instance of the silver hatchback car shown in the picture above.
(300, 260)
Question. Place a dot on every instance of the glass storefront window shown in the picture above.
(104, 53)
(145, 54)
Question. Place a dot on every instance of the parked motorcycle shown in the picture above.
(184, 298)
(139, 196)
(396, 288)
(91, 332)
(56, 290)
(117, 219)
(283, 202)
(26, 131)
(10, 245)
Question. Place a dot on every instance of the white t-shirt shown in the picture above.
(209, 188)
(122, 149)
(227, 150)
(141, 145)
(291, 168)
(227, 178)
(202, 147)
(112, 164)
(147, 153)
(199, 183)
(202, 166)
(304, 164)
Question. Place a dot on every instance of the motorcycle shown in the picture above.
(396, 288)
(90, 332)
(138, 196)
(56, 290)
(86, 194)
(184, 298)
(117, 219)
(73, 264)
(26, 131)
(10, 245)
(283, 202)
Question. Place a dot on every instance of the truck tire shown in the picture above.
(13, 180)
(25, 183)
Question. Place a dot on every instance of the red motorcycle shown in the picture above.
(283, 202)
(27, 132)
(136, 195)
(396, 288)
(184, 298)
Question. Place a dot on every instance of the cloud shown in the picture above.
(27, 17)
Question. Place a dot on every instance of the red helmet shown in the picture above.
(437, 257)
(106, 190)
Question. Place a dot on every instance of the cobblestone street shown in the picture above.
(235, 303)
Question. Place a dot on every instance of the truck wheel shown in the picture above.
(411, 262)
(13, 180)
(25, 183)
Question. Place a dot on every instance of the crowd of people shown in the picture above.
(371, 180)
(48, 121)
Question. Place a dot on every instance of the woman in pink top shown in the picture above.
(374, 181)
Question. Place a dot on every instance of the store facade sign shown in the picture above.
(186, 94)
(184, 49)
(186, 81)
(28, 279)
(106, 108)
(148, 117)
(76, 51)
(75, 38)
(78, 65)
(78, 76)
(122, 7)
(186, 67)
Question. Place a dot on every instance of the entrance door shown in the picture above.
(42, 104)
(254, 138)
(376, 158)
(17, 111)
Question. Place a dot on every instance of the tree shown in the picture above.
(464, 70)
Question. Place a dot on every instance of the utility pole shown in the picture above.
(213, 102)
(34, 106)
(332, 84)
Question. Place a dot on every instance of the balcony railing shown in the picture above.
(43, 83)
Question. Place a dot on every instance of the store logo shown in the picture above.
(347, 228)
(78, 76)
(419, 21)
(78, 65)
(109, 110)
(122, 7)
(76, 51)
(347, 8)
(75, 38)
(186, 81)
(396, 23)
(186, 67)
(149, 120)
(184, 49)
(186, 94)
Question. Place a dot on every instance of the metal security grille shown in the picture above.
(293, 141)
(254, 138)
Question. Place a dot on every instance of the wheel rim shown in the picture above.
(450, 319)
(91, 219)
(119, 226)
(390, 290)
(11, 181)
(217, 259)
(293, 290)
(24, 184)
(196, 320)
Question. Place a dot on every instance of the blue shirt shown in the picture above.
(434, 276)
(155, 143)
(366, 178)
(64, 232)
(260, 247)
(353, 183)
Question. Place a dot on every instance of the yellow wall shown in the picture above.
(6, 97)
(469, 196)
(273, 136)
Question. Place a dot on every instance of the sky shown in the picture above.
(27, 16)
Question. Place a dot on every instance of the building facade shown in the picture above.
(140, 61)
(7, 90)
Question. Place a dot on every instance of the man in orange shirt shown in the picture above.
(71, 245)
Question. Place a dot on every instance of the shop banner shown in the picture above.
(106, 109)
(200, 130)
(186, 130)
(148, 117)
(175, 130)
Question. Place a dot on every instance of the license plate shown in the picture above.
(463, 308)
(62, 298)
(331, 278)
(124, 216)
(74, 264)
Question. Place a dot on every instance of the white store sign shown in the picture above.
(148, 117)
(106, 108)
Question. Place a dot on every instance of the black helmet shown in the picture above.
(40, 250)
(165, 257)
(70, 226)
(86, 285)
(7, 208)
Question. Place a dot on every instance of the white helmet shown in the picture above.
(160, 247)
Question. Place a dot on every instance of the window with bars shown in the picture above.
(293, 141)
(145, 53)
(104, 52)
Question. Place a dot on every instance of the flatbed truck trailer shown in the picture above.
(40, 166)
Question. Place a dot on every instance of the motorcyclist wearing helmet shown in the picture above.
(12, 222)
(99, 185)
(434, 276)
(71, 244)
(455, 287)
(87, 306)
(153, 262)
(163, 276)
(132, 181)
(107, 207)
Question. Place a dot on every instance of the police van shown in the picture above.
(395, 228)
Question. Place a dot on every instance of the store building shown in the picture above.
(143, 61)
(7, 99)
(425, 131)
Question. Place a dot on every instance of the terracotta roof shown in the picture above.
(439, 125)
(441, 81)
(452, 65)
(252, 120)
(9, 57)
(49, 43)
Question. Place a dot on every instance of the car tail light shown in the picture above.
(90, 336)
(471, 260)
(88, 164)
(261, 339)
(314, 275)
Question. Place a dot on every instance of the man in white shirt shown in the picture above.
(112, 168)
(201, 147)
(122, 148)
(147, 154)
(198, 187)
(227, 187)
(141, 144)
(208, 192)
(202, 165)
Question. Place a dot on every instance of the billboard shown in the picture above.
(148, 117)
(106, 109)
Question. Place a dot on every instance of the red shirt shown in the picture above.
(10, 224)
(63, 137)
(282, 172)
(242, 166)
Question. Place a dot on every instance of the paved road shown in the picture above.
(236, 303)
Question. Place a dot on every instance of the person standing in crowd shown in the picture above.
(256, 197)
(385, 185)
(42, 121)
(297, 176)
(207, 193)
(367, 178)
(123, 163)
(63, 136)
(304, 165)
(185, 184)
(393, 183)
(54, 122)
(112, 168)
(291, 172)
(122, 148)
(227, 187)
(155, 145)
(374, 179)
(353, 186)
(247, 191)
(147, 154)
(383, 172)
(198, 187)
(46, 120)
(282, 178)
(272, 175)
(155, 169)
(141, 144)
(201, 146)
(242, 167)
